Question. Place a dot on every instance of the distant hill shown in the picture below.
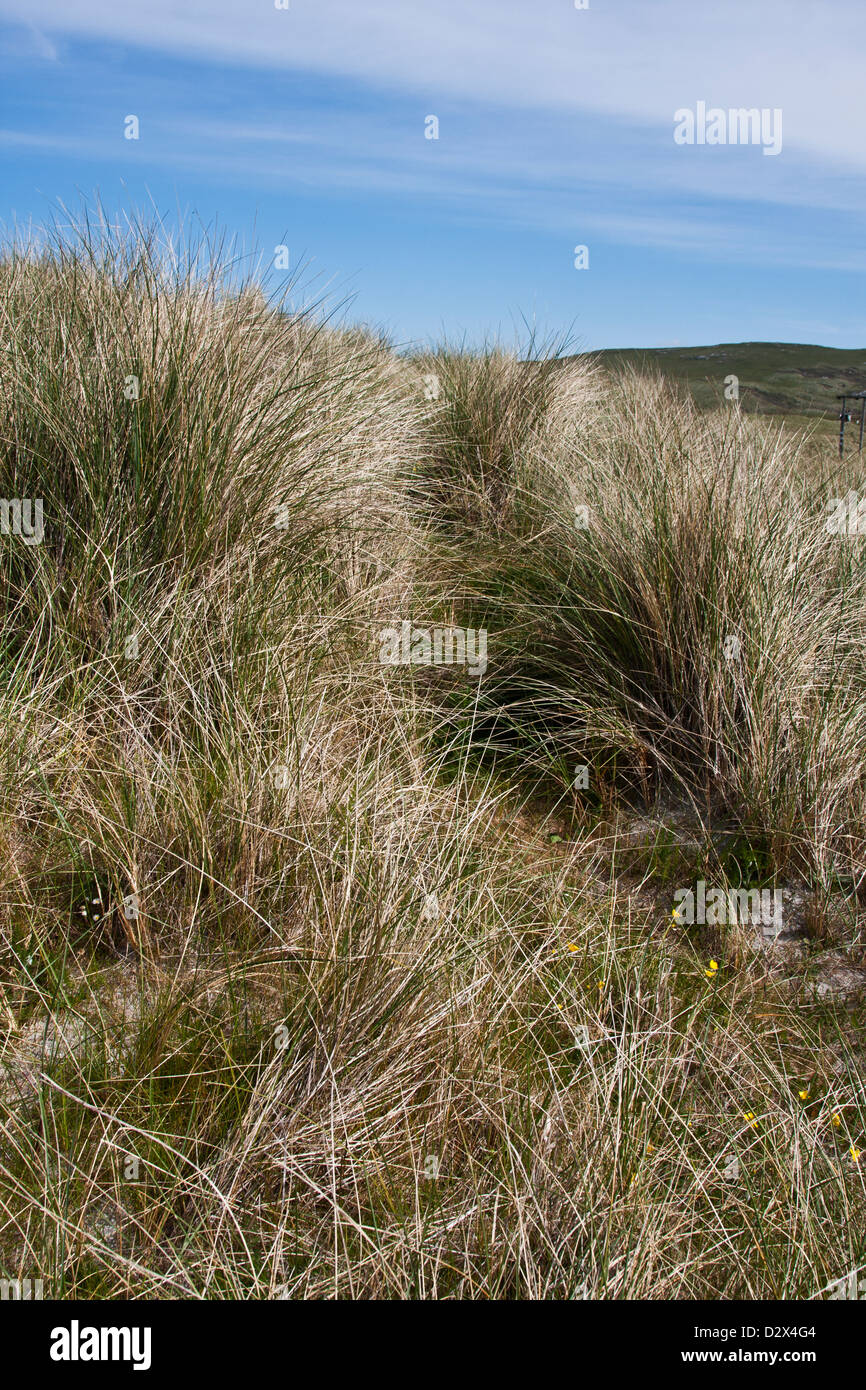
(775, 378)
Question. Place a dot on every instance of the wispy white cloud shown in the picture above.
(632, 59)
(28, 42)
(481, 180)
(552, 118)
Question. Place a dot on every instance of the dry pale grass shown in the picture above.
(366, 1026)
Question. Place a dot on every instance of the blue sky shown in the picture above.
(306, 127)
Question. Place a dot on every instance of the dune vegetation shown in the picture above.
(329, 976)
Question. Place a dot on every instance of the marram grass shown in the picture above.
(327, 978)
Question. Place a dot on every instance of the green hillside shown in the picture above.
(775, 378)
